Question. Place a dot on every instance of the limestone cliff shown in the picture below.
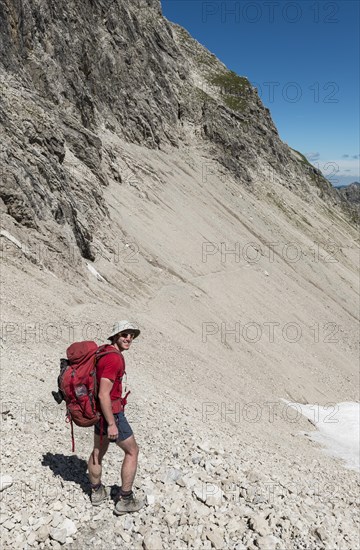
(71, 70)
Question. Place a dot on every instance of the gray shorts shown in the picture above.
(122, 424)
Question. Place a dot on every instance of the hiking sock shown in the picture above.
(95, 486)
(125, 494)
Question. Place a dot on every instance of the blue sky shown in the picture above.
(303, 56)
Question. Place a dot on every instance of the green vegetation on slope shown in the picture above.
(235, 89)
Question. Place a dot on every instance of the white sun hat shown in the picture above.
(121, 326)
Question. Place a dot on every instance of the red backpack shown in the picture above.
(78, 383)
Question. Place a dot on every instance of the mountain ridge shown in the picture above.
(71, 99)
(351, 192)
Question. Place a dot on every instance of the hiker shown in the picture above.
(113, 426)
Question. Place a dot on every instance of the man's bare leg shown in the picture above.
(130, 462)
(95, 459)
(127, 502)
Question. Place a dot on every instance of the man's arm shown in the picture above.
(105, 404)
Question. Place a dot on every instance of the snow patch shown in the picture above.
(11, 238)
(339, 429)
(94, 272)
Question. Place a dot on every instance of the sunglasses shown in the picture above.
(126, 334)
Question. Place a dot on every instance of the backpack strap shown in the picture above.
(100, 351)
(68, 419)
(124, 399)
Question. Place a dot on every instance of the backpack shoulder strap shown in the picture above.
(100, 353)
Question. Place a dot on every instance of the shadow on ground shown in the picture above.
(73, 468)
(70, 468)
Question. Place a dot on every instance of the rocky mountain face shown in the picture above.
(69, 70)
(141, 179)
(351, 192)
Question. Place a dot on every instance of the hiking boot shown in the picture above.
(100, 495)
(130, 504)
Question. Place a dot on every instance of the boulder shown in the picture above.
(5, 481)
(216, 537)
(152, 541)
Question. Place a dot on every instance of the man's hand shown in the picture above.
(112, 432)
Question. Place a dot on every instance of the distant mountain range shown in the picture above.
(351, 192)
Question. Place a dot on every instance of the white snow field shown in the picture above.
(338, 427)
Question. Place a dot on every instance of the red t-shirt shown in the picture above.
(112, 366)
